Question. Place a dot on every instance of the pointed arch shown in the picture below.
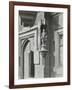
(31, 59)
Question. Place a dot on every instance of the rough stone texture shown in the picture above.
(54, 22)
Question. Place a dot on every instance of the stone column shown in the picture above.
(43, 50)
(42, 61)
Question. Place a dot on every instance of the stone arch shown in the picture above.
(31, 57)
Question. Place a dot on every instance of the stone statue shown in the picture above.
(43, 37)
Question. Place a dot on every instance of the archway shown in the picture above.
(28, 60)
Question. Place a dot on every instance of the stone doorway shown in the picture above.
(28, 58)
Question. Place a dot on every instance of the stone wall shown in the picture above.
(54, 23)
